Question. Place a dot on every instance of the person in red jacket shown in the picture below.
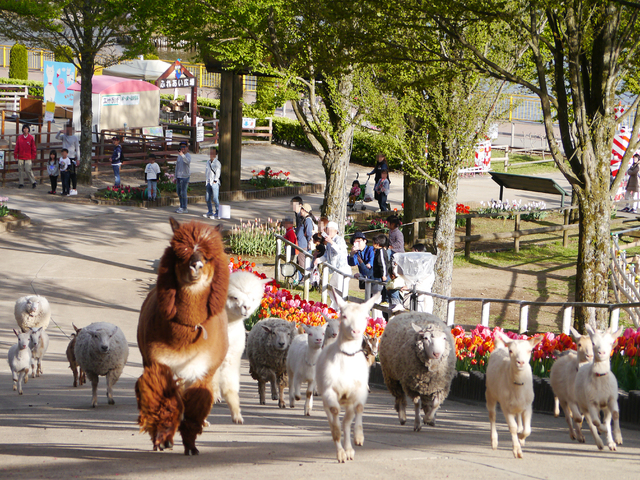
(25, 153)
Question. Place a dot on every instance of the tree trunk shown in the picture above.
(444, 241)
(336, 165)
(415, 192)
(592, 278)
(86, 119)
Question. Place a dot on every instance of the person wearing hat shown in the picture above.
(336, 256)
(361, 255)
(304, 233)
(183, 172)
(25, 153)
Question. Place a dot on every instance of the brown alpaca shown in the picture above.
(182, 335)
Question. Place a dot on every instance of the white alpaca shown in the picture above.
(49, 88)
(243, 297)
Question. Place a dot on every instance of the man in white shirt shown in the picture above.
(71, 143)
(212, 173)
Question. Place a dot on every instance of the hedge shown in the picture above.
(36, 88)
(19, 62)
(366, 144)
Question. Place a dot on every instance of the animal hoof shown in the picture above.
(75, 384)
(612, 447)
(281, 405)
(297, 397)
(19, 393)
(342, 456)
(417, 428)
(168, 445)
(191, 451)
(206, 423)
(350, 453)
(274, 397)
(15, 388)
(402, 422)
(112, 401)
(262, 402)
(431, 423)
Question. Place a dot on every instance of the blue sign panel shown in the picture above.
(58, 77)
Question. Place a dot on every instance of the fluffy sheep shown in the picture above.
(19, 358)
(243, 298)
(510, 383)
(563, 376)
(267, 346)
(596, 388)
(81, 378)
(418, 359)
(32, 311)
(101, 349)
(342, 375)
(301, 364)
(38, 343)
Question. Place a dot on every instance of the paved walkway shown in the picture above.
(95, 263)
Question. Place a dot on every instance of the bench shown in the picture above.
(528, 183)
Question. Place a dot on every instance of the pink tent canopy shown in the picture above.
(105, 84)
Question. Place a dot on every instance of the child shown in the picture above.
(116, 160)
(152, 171)
(64, 163)
(382, 189)
(354, 193)
(396, 238)
(380, 262)
(290, 233)
(53, 168)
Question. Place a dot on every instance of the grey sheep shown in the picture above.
(267, 346)
(101, 349)
(418, 359)
(32, 311)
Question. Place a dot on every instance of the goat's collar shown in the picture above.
(600, 374)
(195, 328)
(351, 354)
(519, 384)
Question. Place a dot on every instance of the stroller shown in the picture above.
(366, 195)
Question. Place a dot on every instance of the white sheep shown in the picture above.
(267, 346)
(101, 349)
(342, 375)
(301, 364)
(596, 388)
(243, 297)
(510, 383)
(19, 358)
(38, 343)
(32, 311)
(418, 359)
(563, 376)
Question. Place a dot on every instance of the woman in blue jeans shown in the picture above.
(212, 175)
(116, 160)
(183, 172)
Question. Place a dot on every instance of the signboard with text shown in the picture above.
(121, 99)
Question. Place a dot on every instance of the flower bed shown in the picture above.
(269, 178)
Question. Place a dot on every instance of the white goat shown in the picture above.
(19, 358)
(596, 388)
(563, 376)
(510, 383)
(342, 374)
(38, 343)
(301, 364)
(331, 333)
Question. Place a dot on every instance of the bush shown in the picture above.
(63, 54)
(19, 62)
(151, 56)
(36, 88)
(289, 132)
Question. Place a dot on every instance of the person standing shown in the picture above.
(64, 163)
(116, 160)
(152, 172)
(71, 143)
(53, 169)
(381, 164)
(25, 153)
(183, 172)
(382, 191)
(631, 193)
(336, 256)
(212, 176)
(396, 238)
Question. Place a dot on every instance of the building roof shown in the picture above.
(105, 84)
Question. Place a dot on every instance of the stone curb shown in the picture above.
(12, 224)
(233, 196)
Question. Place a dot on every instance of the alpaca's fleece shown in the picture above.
(183, 326)
(418, 358)
(245, 293)
(267, 346)
(102, 349)
(32, 311)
